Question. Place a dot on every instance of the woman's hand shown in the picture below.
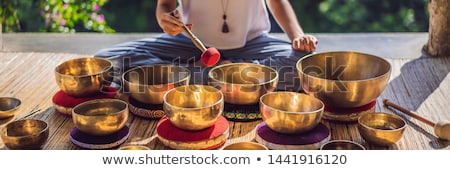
(307, 43)
(171, 24)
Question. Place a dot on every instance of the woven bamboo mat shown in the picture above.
(421, 85)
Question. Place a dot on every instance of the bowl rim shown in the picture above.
(388, 72)
(4, 128)
(152, 65)
(96, 101)
(15, 107)
(104, 70)
(245, 142)
(382, 130)
(240, 84)
(290, 112)
(221, 100)
(344, 141)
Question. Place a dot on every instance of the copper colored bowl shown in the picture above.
(134, 147)
(193, 107)
(8, 105)
(101, 116)
(381, 128)
(25, 134)
(245, 146)
(84, 77)
(243, 83)
(344, 79)
(290, 112)
(148, 84)
(342, 145)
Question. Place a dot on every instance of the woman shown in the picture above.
(238, 29)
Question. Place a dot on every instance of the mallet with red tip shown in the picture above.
(210, 56)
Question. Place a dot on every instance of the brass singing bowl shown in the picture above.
(243, 83)
(381, 128)
(101, 116)
(148, 84)
(193, 107)
(27, 134)
(8, 105)
(290, 112)
(344, 79)
(245, 146)
(82, 77)
(134, 147)
(342, 145)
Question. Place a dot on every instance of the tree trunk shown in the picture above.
(438, 44)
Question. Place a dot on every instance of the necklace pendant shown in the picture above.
(225, 27)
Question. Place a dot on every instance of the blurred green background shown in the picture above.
(109, 16)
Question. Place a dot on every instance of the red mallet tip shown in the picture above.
(210, 57)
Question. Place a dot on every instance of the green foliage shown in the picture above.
(139, 15)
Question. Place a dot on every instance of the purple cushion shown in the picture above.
(316, 135)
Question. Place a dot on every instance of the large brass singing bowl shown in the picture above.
(290, 112)
(84, 77)
(381, 128)
(193, 107)
(148, 84)
(8, 105)
(243, 83)
(344, 79)
(25, 134)
(101, 116)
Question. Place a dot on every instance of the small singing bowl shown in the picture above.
(8, 105)
(134, 147)
(381, 128)
(27, 134)
(84, 77)
(342, 145)
(245, 146)
(243, 83)
(290, 112)
(101, 116)
(193, 107)
(148, 84)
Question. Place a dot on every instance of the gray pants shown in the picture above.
(180, 50)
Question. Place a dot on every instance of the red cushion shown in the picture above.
(350, 110)
(168, 131)
(64, 100)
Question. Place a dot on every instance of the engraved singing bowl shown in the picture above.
(148, 84)
(245, 146)
(342, 145)
(8, 105)
(344, 79)
(82, 77)
(193, 107)
(101, 116)
(25, 134)
(290, 112)
(243, 83)
(381, 128)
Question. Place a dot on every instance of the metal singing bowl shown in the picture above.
(381, 128)
(245, 146)
(342, 145)
(148, 84)
(84, 77)
(101, 116)
(243, 83)
(193, 107)
(8, 105)
(344, 79)
(25, 134)
(290, 112)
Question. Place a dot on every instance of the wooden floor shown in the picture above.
(419, 83)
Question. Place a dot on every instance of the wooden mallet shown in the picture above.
(441, 128)
(210, 56)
